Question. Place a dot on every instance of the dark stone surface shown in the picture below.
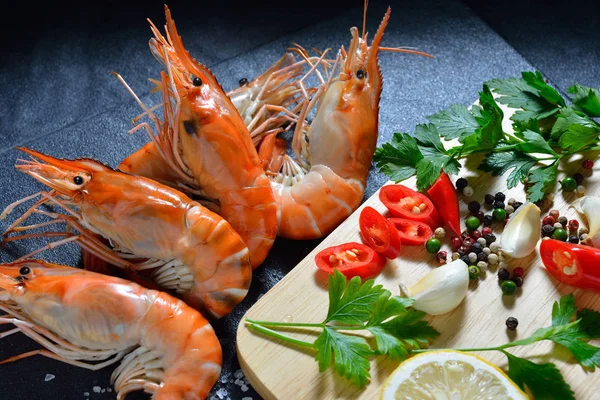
(58, 97)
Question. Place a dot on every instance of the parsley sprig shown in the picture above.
(353, 307)
(399, 330)
(546, 130)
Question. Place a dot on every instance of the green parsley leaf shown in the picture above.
(534, 143)
(567, 118)
(399, 158)
(544, 380)
(351, 303)
(500, 163)
(428, 136)
(586, 99)
(490, 120)
(547, 92)
(564, 310)
(542, 180)
(514, 92)
(589, 323)
(587, 355)
(349, 355)
(457, 122)
(578, 137)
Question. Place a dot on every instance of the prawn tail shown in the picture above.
(252, 212)
(220, 263)
(317, 204)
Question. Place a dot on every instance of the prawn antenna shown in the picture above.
(364, 30)
(410, 50)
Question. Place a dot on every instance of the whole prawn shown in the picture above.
(334, 153)
(184, 246)
(91, 320)
(207, 145)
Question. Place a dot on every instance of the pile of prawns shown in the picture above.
(191, 213)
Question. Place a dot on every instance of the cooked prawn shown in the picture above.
(205, 141)
(326, 182)
(90, 320)
(184, 246)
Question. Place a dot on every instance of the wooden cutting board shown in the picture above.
(280, 371)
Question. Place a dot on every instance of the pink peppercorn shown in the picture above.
(456, 243)
(486, 231)
(476, 234)
(554, 214)
(587, 164)
(573, 225)
(548, 220)
(518, 272)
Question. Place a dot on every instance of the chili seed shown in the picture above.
(547, 230)
(499, 214)
(503, 274)
(500, 196)
(489, 199)
(548, 220)
(332, 259)
(518, 281)
(560, 234)
(499, 204)
(422, 206)
(416, 210)
(474, 206)
(461, 183)
(587, 164)
(468, 191)
(512, 323)
(433, 245)
(555, 214)
(563, 220)
(578, 178)
(474, 272)
(508, 287)
(573, 239)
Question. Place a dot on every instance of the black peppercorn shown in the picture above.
(512, 323)
(476, 248)
(474, 206)
(500, 196)
(503, 274)
(499, 204)
(487, 220)
(578, 178)
(489, 199)
(480, 216)
(482, 256)
(518, 281)
(461, 183)
(547, 230)
(461, 251)
(517, 204)
(563, 220)
(490, 238)
(573, 239)
(466, 260)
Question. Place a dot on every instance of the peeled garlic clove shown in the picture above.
(522, 231)
(590, 206)
(441, 290)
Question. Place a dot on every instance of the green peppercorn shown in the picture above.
(433, 245)
(474, 272)
(568, 184)
(508, 287)
(499, 214)
(560, 234)
(472, 223)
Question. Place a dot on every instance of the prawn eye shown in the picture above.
(360, 74)
(78, 181)
(189, 127)
(24, 271)
(196, 81)
(243, 81)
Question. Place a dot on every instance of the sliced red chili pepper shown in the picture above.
(443, 196)
(412, 233)
(405, 203)
(379, 233)
(573, 264)
(351, 259)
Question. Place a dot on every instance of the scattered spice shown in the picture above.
(512, 323)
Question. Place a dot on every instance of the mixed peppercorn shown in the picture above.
(559, 227)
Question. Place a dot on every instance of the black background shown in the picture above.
(57, 96)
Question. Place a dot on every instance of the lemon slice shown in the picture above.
(449, 375)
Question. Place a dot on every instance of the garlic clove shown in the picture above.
(441, 290)
(522, 232)
(590, 206)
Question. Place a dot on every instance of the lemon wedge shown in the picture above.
(449, 375)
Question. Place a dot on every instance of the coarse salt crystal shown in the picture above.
(221, 393)
(96, 389)
(49, 377)
(246, 398)
(103, 391)
(86, 394)
(244, 388)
